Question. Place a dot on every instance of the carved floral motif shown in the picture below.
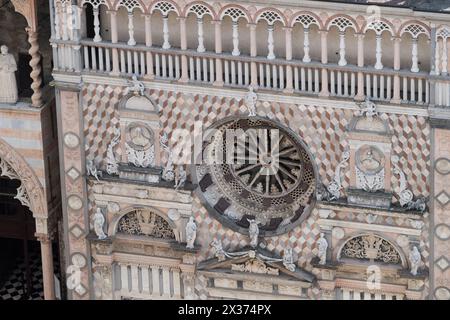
(145, 223)
(371, 247)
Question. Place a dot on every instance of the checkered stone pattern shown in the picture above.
(13, 288)
(100, 105)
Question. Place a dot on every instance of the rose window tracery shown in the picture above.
(255, 168)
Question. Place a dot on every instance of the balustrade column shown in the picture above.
(360, 93)
(65, 35)
(218, 48)
(415, 55)
(57, 23)
(444, 64)
(342, 60)
(306, 56)
(35, 75)
(131, 41)
(114, 39)
(183, 43)
(378, 52)
(396, 96)
(200, 35)
(148, 43)
(235, 36)
(166, 43)
(253, 53)
(437, 57)
(324, 59)
(289, 86)
(270, 42)
(97, 37)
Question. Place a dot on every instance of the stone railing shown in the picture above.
(294, 76)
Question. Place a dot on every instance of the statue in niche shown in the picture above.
(8, 67)
(322, 246)
(191, 233)
(253, 231)
(414, 260)
(99, 222)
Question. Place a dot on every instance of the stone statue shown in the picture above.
(99, 222)
(169, 170)
(405, 195)
(112, 165)
(288, 260)
(181, 178)
(135, 86)
(191, 233)
(369, 109)
(334, 188)
(92, 170)
(250, 102)
(322, 246)
(414, 260)
(8, 88)
(219, 253)
(253, 231)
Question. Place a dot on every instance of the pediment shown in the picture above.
(253, 262)
(137, 102)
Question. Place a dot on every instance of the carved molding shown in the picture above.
(27, 8)
(31, 192)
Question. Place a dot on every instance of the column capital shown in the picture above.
(396, 39)
(360, 35)
(322, 32)
(216, 22)
(181, 19)
(42, 238)
(112, 12)
(288, 29)
(251, 25)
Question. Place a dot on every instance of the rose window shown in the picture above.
(254, 168)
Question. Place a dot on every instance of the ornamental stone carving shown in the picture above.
(369, 168)
(276, 186)
(335, 187)
(370, 247)
(13, 166)
(140, 148)
(255, 266)
(144, 222)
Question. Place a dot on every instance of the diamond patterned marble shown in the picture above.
(76, 231)
(442, 263)
(443, 198)
(73, 173)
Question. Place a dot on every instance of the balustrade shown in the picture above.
(240, 65)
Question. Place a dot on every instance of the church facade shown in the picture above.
(251, 149)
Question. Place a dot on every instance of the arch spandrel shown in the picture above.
(30, 182)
